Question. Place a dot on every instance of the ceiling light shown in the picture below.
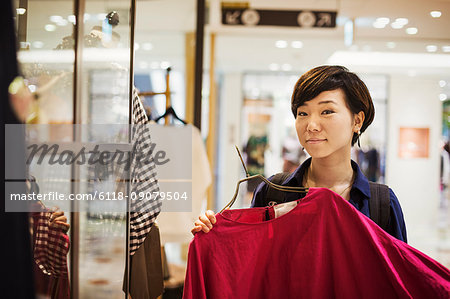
(435, 13)
(50, 27)
(402, 21)
(72, 19)
(21, 11)
(379, 25)
(390, 59)
(38, 44)
(154, 65)
(164, 64)
(286, 67)
(442, 83)
(274, 67)
(147, 46)
(431, 48)
(446, 49)
(382, 20)
(442, 97)
(412, 30)
(297, 44)
(62, 23)
(412, 73)
(143, 65)
(55, 19)
(397, 25)
(281, 44)
(390, 45)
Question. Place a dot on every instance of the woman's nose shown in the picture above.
(313, 124)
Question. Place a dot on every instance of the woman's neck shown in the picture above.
(329, 173)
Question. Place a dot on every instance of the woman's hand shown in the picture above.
(58, 220)
(204, 222)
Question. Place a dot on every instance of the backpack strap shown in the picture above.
(274, 195)
(379, 204)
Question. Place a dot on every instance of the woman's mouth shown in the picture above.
(315, 140)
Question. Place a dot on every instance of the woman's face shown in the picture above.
(325, 125)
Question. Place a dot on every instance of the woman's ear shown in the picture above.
(359, 120)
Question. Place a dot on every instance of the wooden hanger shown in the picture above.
(275, 186)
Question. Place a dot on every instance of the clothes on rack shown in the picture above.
(175, 226)
(321, 248)
(143, 178)
(146, 276)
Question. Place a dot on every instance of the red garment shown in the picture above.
(51, 246)
(322, 248)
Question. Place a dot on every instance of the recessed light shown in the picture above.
(164, 64)
(397, 25)
(281, 44)
(297, 44)
(442, 97)
(143, 65)
(412, 30)
(147, 46)
(50, 27)
(412, 73)
(435, 13)
(55, 19)
(21, 11)
(154, 65)
(442, 83)
(274, 67)
(286, 67)
(62, 22)
(402, 21)
(390, 45)
(38, 44)
(382, 20)
(379, 25)
(446, 49)
(72, 19)
(431, 48)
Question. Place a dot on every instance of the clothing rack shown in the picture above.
(167, 93)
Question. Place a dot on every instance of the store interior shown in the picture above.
(400, 49)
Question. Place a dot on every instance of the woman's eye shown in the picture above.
(327, 112)
(301, 113)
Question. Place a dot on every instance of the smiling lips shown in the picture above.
(315, 140)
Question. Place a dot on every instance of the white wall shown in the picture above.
(414, 102)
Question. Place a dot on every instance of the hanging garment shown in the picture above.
(146, 275)
(51, 246)
(322, 248)
(175, 226)
(143, 179)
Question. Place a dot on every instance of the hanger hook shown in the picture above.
(242, 161)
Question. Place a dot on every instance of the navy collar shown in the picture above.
(361, 183)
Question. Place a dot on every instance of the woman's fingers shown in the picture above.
(205, 220)
(211, 216)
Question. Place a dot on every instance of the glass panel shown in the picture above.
(46, 58)
(105, 62)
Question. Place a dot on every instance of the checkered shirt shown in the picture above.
(51, 245)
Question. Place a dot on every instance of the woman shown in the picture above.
(332, 107)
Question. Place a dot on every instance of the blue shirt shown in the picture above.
(359, 198)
